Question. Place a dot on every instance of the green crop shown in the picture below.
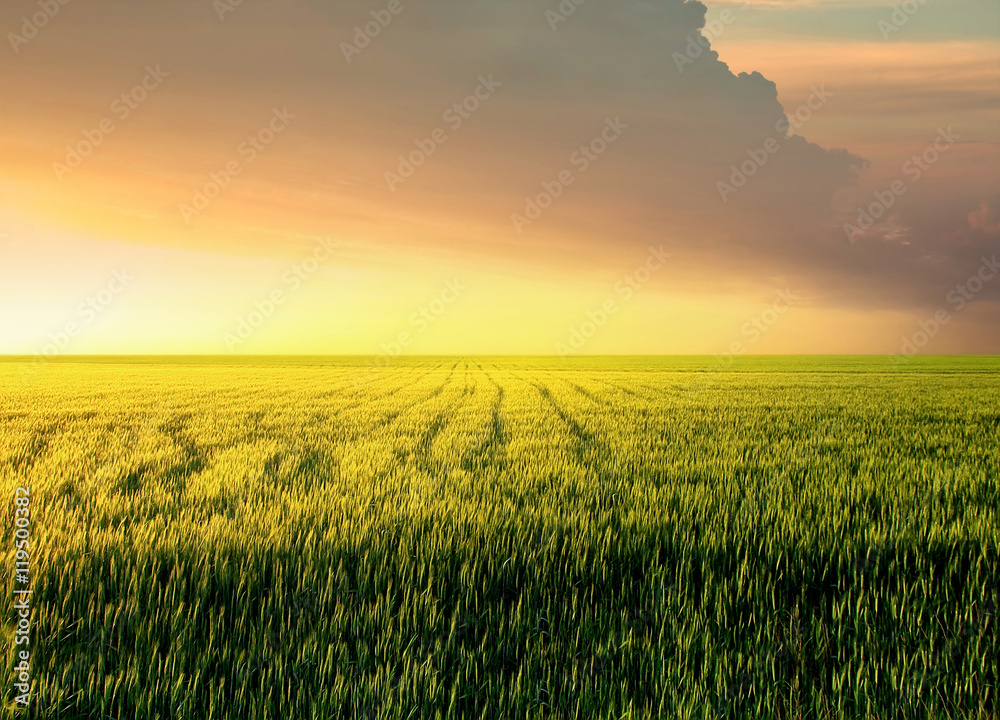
(506, 537)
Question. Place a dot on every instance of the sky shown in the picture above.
(434, 176)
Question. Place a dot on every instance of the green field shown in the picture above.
(506, 538)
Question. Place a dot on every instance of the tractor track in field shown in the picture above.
(439, 423)
(492, 452)
(38, 446)
(198, 457)
(41, 437)
(581, 438)
(583, 391)
(422, 457)
(195, 459)
(622, 388)
(589, 449)
(389, 417)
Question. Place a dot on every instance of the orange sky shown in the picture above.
(303, 147)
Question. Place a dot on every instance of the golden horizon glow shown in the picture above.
(65, 230)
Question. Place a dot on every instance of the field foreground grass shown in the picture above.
(506, 538)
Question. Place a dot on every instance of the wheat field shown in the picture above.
(448, 537)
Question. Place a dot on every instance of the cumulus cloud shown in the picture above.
(704, 147)
(710, 161)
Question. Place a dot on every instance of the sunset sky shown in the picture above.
(174, 172)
